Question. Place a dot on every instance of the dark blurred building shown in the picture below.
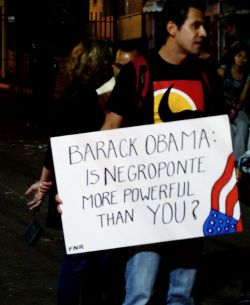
(43, 29)
(35, 30)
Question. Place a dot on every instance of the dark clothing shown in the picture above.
(78, 111)
(232, 87)
(53, 219)
(123, 99)
(85, 276)
(177, 92)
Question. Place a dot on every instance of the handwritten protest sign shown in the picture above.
(146, 184)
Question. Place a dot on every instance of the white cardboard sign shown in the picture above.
(146, 184)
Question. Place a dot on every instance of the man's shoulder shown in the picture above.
(140, 60)
(147, 59)
(208, 66)
(200, 63)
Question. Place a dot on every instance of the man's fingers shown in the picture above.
(34, 204)
(30, 190)
(58, 203)
(59, 210)
(45, 186)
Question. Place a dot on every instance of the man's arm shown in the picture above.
(112, 121)
(120, 104)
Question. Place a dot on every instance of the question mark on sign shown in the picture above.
(196, 206)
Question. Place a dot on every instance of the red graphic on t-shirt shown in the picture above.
(175, 96)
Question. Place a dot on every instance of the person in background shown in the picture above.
(127, 51)
(236, 84)
(176, 65)
(243, 175)
(78, 111)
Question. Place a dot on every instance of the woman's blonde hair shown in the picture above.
(91, 62)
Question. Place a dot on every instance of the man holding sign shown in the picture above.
(182, 88)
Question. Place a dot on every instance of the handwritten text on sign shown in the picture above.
(143, 184)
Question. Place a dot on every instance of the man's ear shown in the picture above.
(171, 28)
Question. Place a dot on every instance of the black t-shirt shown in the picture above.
(78, 111)
(123, 99)
(176, 92)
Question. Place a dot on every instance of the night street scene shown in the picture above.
(36, 40)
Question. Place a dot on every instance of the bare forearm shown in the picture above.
(46, 175)
(112, 121)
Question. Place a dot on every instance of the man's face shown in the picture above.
(190, 36)
(122, 58)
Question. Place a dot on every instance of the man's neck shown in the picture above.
(171, 54)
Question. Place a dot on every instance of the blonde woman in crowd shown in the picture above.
(78, 111)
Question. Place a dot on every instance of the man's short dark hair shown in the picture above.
(176, 11)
